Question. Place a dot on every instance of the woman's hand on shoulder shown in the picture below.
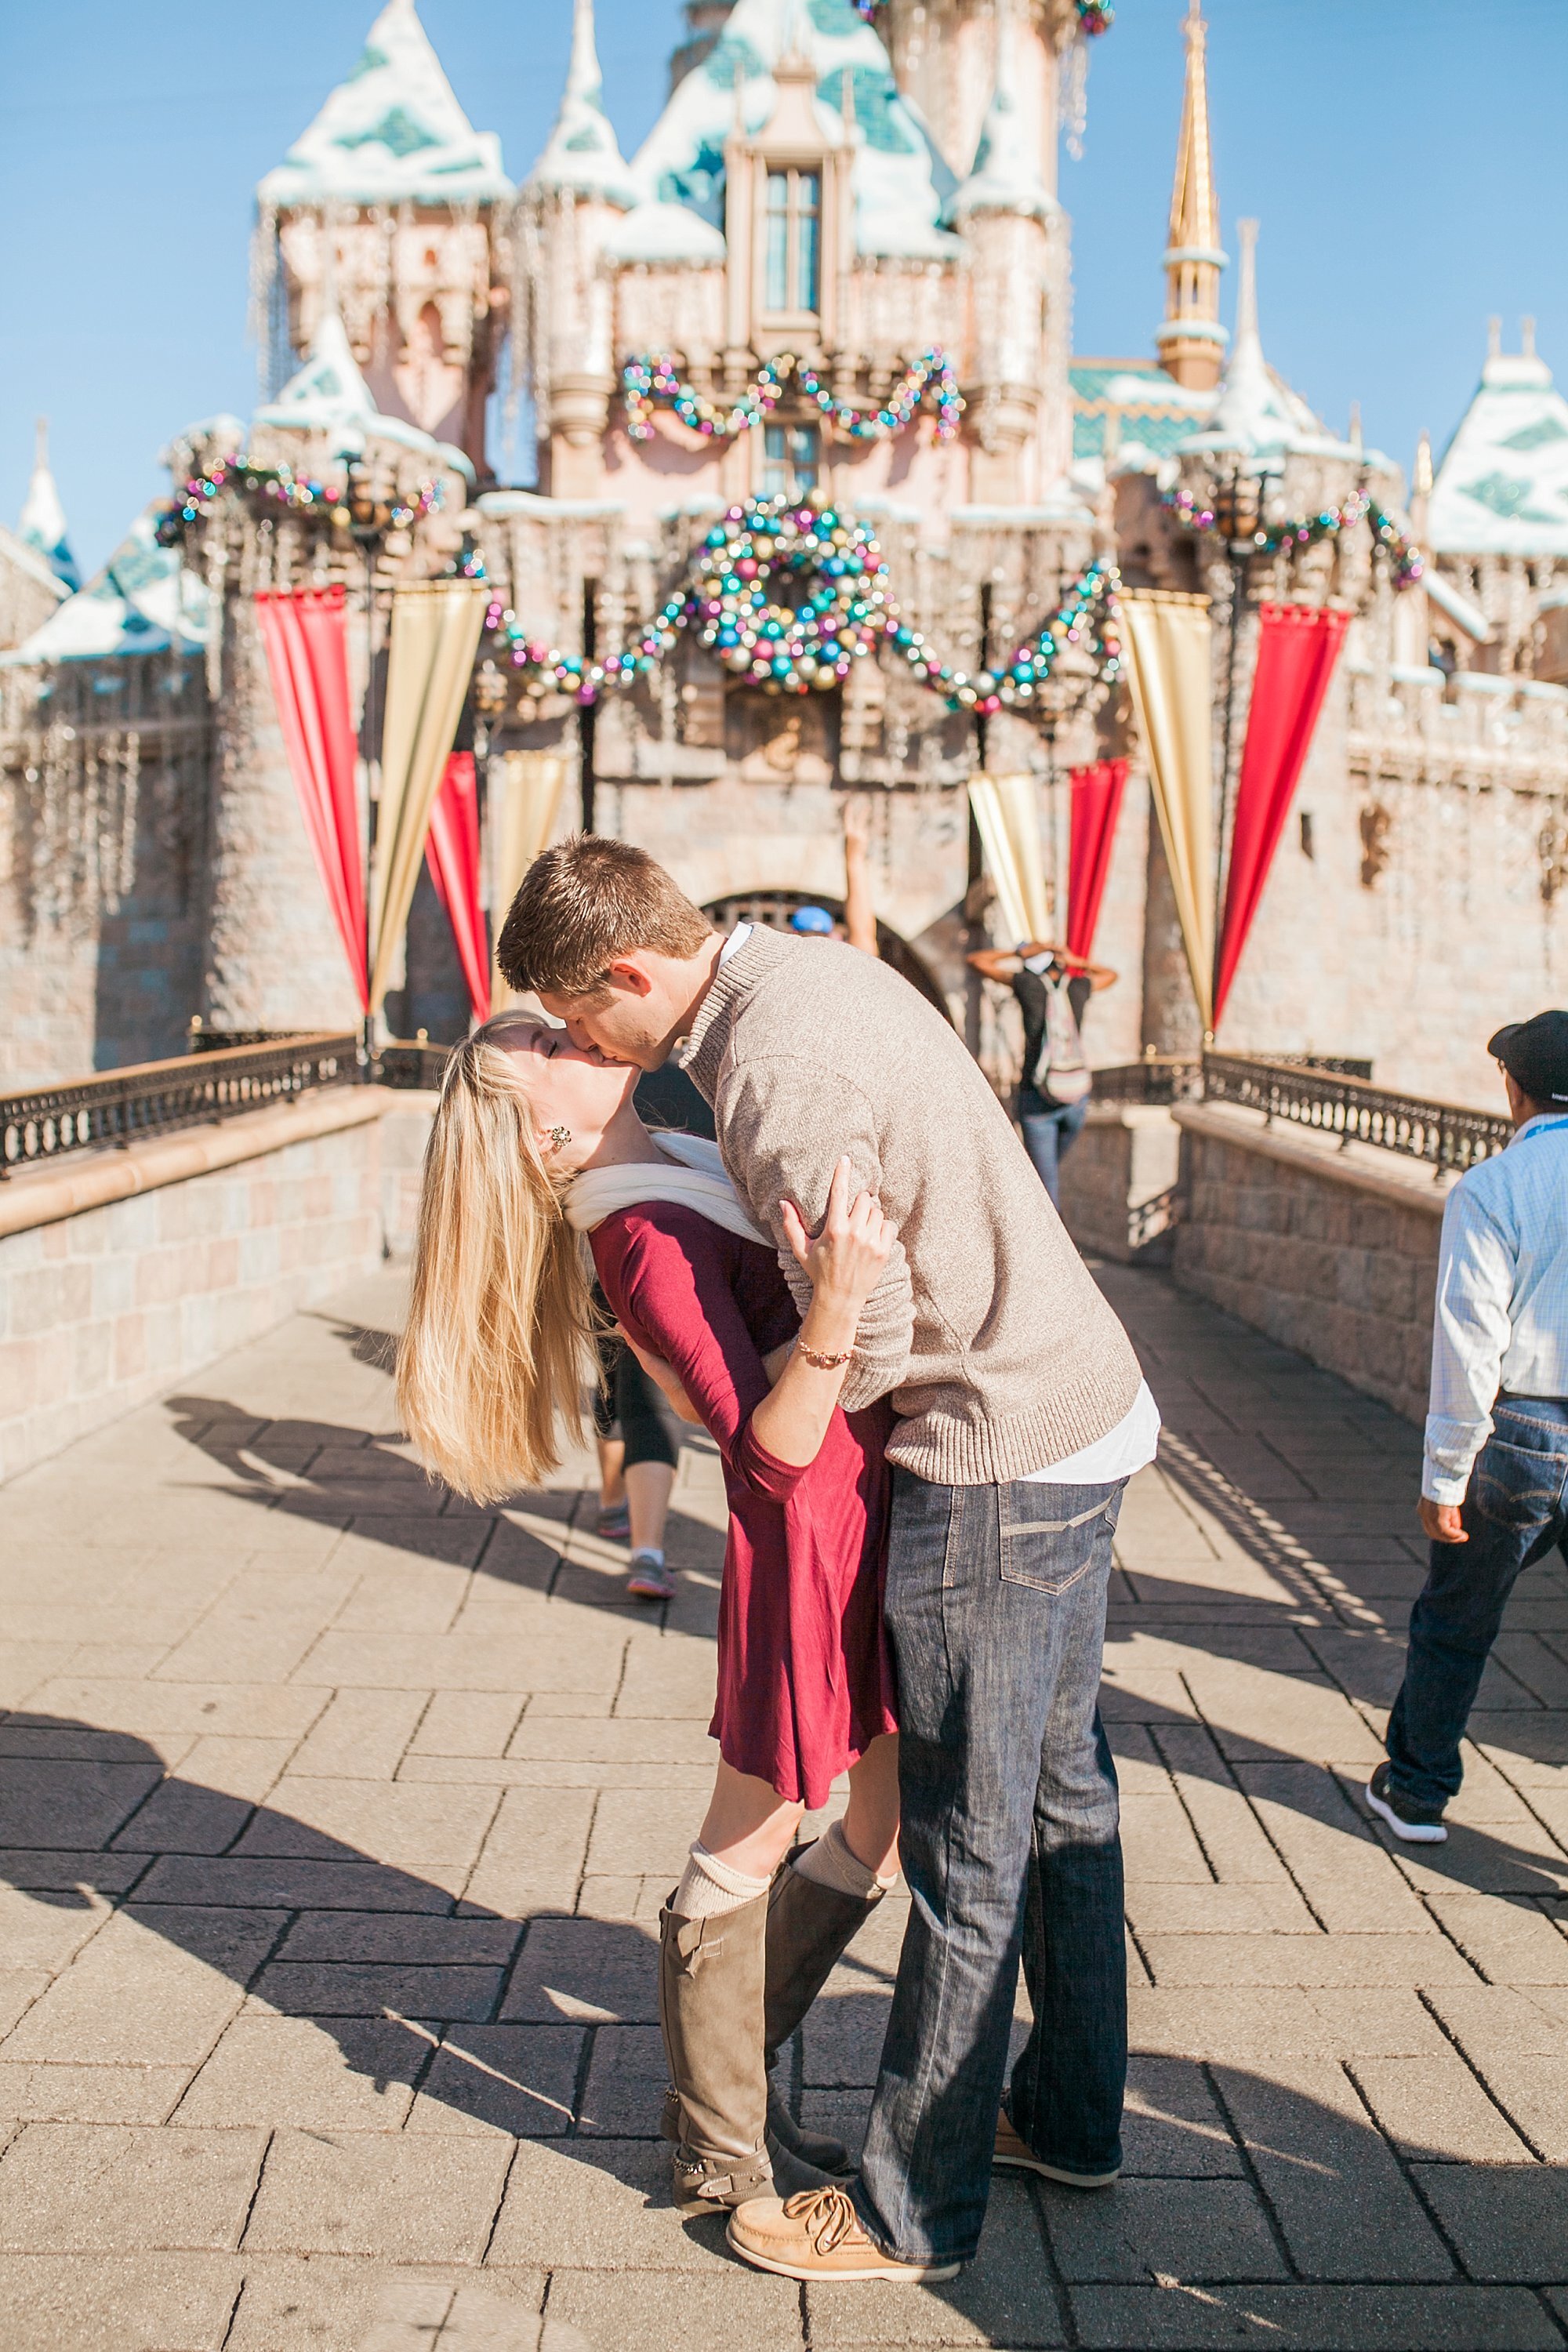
(845, 1260)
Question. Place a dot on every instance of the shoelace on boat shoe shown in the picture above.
(828, 2216)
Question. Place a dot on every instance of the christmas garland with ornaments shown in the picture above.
(651, 381)
(1405, 557)
(840, 608)
(277, 485)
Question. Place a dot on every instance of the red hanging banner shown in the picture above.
(1096, 805)
(452, 853)
(305, 633)
(1297, 646)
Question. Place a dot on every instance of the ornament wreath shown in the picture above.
(298, 493)
(790, 596)
(649, 381)
(1404, 555)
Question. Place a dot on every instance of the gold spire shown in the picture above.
(1192, 340)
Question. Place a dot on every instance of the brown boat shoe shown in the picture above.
(817, 2235)
(1013, 2154)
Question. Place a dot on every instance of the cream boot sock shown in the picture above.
(709, 1888)
(832, 1862)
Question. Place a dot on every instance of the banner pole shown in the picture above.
(1238, 578)
(367, 1038)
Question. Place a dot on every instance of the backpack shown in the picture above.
(1060, 1074)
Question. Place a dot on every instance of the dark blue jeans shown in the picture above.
(1010, 1842)
(1515, 1510)
(1048, 1128)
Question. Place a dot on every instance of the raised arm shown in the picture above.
(994, 963)
(859, 915)
(786, 1122)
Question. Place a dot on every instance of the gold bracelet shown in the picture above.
(823, 1363)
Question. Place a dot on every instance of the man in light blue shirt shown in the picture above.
(1494, 1483)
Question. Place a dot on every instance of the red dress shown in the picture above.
(804, 1680)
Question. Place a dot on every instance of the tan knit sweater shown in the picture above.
(1000, 1353)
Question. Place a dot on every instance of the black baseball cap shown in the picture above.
(1535, 1056)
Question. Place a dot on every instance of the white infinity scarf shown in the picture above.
(695, 1178)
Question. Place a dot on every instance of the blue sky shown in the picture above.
(1405, 158)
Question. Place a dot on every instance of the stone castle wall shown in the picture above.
(213, 1235)
(104, 875)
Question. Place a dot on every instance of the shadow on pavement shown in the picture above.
(449, 2015)
(341, 1475)
(544, 2026)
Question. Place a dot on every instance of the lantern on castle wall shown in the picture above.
(1237, 504)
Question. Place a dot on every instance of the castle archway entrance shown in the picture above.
(774, 908)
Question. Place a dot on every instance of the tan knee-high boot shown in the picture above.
(711, 2011)
(808, 1927)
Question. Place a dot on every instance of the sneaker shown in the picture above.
(817, 2235)
(1013, 2154)
(649, 1578)
(1416, 1825)
(614, 1522)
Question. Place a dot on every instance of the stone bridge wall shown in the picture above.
(124, 1273)
(1330, 1252)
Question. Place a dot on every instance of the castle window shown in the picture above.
(792, 460)
(795, 241)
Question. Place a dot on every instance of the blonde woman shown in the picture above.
(536, 1143)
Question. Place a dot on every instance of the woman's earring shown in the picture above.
(560, 1137)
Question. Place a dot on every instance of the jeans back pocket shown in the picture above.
(1517, 1485)
(1050, 1536)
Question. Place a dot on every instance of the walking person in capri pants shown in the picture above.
(1494, 1481)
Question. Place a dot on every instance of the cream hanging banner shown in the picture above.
(1168, 667)
(525, 788)
(436, 630)
(1006, 812)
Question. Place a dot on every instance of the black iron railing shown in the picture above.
(417, 1065)
(1179, 1077)
(1157, 1079)
(219, 1080)
(200, 1039)
(126, 1106)
(1354, 1111)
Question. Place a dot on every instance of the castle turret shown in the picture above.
(1192, 342)
(391, 206)
(1006, 216)
(573, 197)
(705, 23)
(42, 525)
(943, 55)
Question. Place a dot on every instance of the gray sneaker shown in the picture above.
(1418, 1824)
(649, 1578)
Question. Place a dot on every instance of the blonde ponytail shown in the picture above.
(499, 1342)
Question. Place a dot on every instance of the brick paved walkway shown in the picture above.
(335, 1820)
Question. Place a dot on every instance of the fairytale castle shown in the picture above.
(818, 330)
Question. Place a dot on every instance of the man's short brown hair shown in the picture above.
(586, 902)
